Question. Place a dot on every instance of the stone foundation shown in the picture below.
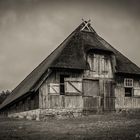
(45, 114)
(60, 113)
(30, 115)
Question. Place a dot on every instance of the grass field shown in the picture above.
(96, 127)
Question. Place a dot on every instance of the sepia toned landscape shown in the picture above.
(92, 127)
(69, 70)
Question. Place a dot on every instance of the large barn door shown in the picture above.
(109, 97)
(91, 95)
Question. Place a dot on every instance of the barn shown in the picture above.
(84, 74)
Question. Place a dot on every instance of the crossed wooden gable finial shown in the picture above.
(86, 25)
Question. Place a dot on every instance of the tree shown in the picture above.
(3, 95)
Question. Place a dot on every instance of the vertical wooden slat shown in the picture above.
(91, 87)
(100, 66)
(109, 98)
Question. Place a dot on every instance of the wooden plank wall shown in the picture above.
(109, 95)
(28, 103)
(91, 95)
(55, 100)
(102, 69)
(73, 86)
(43, 96)
(73, 102)
(91, 103)
(126, 102)
(91, 87)
(101, 96)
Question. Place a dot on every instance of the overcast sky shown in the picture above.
(32, 29)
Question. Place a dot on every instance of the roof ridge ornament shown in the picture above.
(86, 25)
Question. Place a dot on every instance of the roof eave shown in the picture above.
(127, 73)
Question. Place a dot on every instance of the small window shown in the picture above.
(128, 82)
(128, 92)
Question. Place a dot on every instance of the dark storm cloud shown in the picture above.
(31, 29)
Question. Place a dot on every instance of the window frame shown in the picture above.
(128, 83)
(62, 83)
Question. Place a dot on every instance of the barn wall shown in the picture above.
(123, 102)
(43, 96)
(99, 94)
(53, 100)
(99, 82)
(100, 66)
(30, 102)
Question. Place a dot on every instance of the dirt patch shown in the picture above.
(97, 127)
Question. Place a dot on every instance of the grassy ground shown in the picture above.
(96, 127)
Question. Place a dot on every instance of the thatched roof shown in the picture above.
(70, 54)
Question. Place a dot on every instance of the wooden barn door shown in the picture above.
(91, 95)
(109, 96)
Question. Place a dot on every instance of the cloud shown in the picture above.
(31, 29)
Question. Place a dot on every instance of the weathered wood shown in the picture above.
(54, 88)
(56, 101)
(91, 103)
(73, 102)
(91, 87)
(43, 96)
(62, 101)
(51, 88)
(109, 95)
(100, 66)
(123, 102)
(73, 86)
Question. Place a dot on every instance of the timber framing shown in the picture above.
(86, 57)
